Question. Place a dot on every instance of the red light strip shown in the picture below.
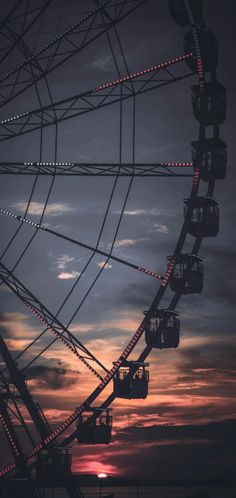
(7, 469)
(72, 418)
(148, 70)
(9, 435)
(199, 60)
(113, 83)
(60, 336)
(170, 268)
(148, 272)
(179, 165)
(196, 181)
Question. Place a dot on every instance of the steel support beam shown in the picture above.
(75, 38)
(173, 170)
(99, 97)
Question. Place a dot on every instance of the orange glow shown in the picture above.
(89, 464)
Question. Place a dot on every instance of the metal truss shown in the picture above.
(39, 420)
(9, 430)
(49, 320)
(11, 37)
(103, 95)
(63, 47)
(96, 169)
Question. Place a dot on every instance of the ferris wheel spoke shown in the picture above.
(97, 391)
(51, 322)
(29, 18)
(81, 244)
(91, 257)
(105, 13)
(64, 45)
(142, 170)
(106, 94)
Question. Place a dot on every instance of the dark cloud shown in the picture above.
(52, 377)
(174, 453)
(218, 357)
(181, 461)
(221, 274)
(225, 430)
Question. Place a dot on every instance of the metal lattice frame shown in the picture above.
(45, 116)
(71, 41)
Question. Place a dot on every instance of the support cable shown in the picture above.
(81, 244)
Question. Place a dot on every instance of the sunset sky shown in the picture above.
(186, 426)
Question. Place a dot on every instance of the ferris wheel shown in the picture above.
(46, 459)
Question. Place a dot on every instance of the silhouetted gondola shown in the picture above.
(208, 50)
(94, 426)
(187, 276)
(209, 108)
(54, 464)
(210, 156)
(163, 330)
(131, 381)
(204, 221)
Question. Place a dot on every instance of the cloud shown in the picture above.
(165, 452)
(55, 415)
(36, 208)
(4, 288)
(51, 377)
(61, 264)
(90, 465)
(104, 63)
(211, 367)
(107, 266)
(62, 261)
(16, 344)
(125, 322)
(211, 430)
(68, 275)
(136, 212)
(161, 228)
(136, 295)
(221, 283)
(16, 328)
(128, 242)
(148, 212)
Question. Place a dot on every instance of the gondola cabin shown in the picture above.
(53, 464)
(179, 12)
(163, 330)
(187, 276)
(210, 156)
(131, 381)
(204, 221)
(209, 108)
(208, 49)
(94, 426)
